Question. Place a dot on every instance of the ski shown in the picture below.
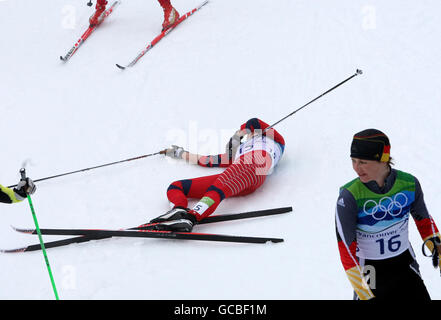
(150, 226)
(140, 233)
(210, 219)
(51, 244)
(89, 31)
(160, 37)
(245, 215)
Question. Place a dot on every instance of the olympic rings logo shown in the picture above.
(386, 205)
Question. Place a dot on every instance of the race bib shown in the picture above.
(385, 244)
(259, 143)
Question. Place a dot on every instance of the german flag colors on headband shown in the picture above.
(371, 144)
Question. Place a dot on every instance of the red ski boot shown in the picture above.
(100, 7)
(171, 15)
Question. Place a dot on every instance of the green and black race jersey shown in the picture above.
(372, 222)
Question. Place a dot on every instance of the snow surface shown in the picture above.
(229, 62)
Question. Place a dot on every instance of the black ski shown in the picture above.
(245, 215)
(85, 238)
(158, 234)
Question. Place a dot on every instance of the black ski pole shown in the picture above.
(96, 167)
(358, 72)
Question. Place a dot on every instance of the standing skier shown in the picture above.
(17, 194)
(248, 163)
(171, 15)
(372, 215)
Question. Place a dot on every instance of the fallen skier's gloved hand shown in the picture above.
(175, 152)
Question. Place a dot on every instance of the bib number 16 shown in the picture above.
(392, 245)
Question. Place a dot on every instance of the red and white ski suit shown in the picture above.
(165, 4)
(246, 171)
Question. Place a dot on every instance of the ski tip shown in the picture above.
(120, 66)
(276, 240)
(29, 231)
(17, 250)
(62, 59)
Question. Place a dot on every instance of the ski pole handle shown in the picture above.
(23, 173)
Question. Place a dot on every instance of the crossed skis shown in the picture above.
(145, 231)
(106, 13)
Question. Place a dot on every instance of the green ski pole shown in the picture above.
(34, 216)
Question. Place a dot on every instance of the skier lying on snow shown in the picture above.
(248, 163)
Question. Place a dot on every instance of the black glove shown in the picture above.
(24, 187)
(233, 144)
(434, 244)
(436, 254)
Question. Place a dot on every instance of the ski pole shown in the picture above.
(358, 72)
(95, 167)
(34, 216)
